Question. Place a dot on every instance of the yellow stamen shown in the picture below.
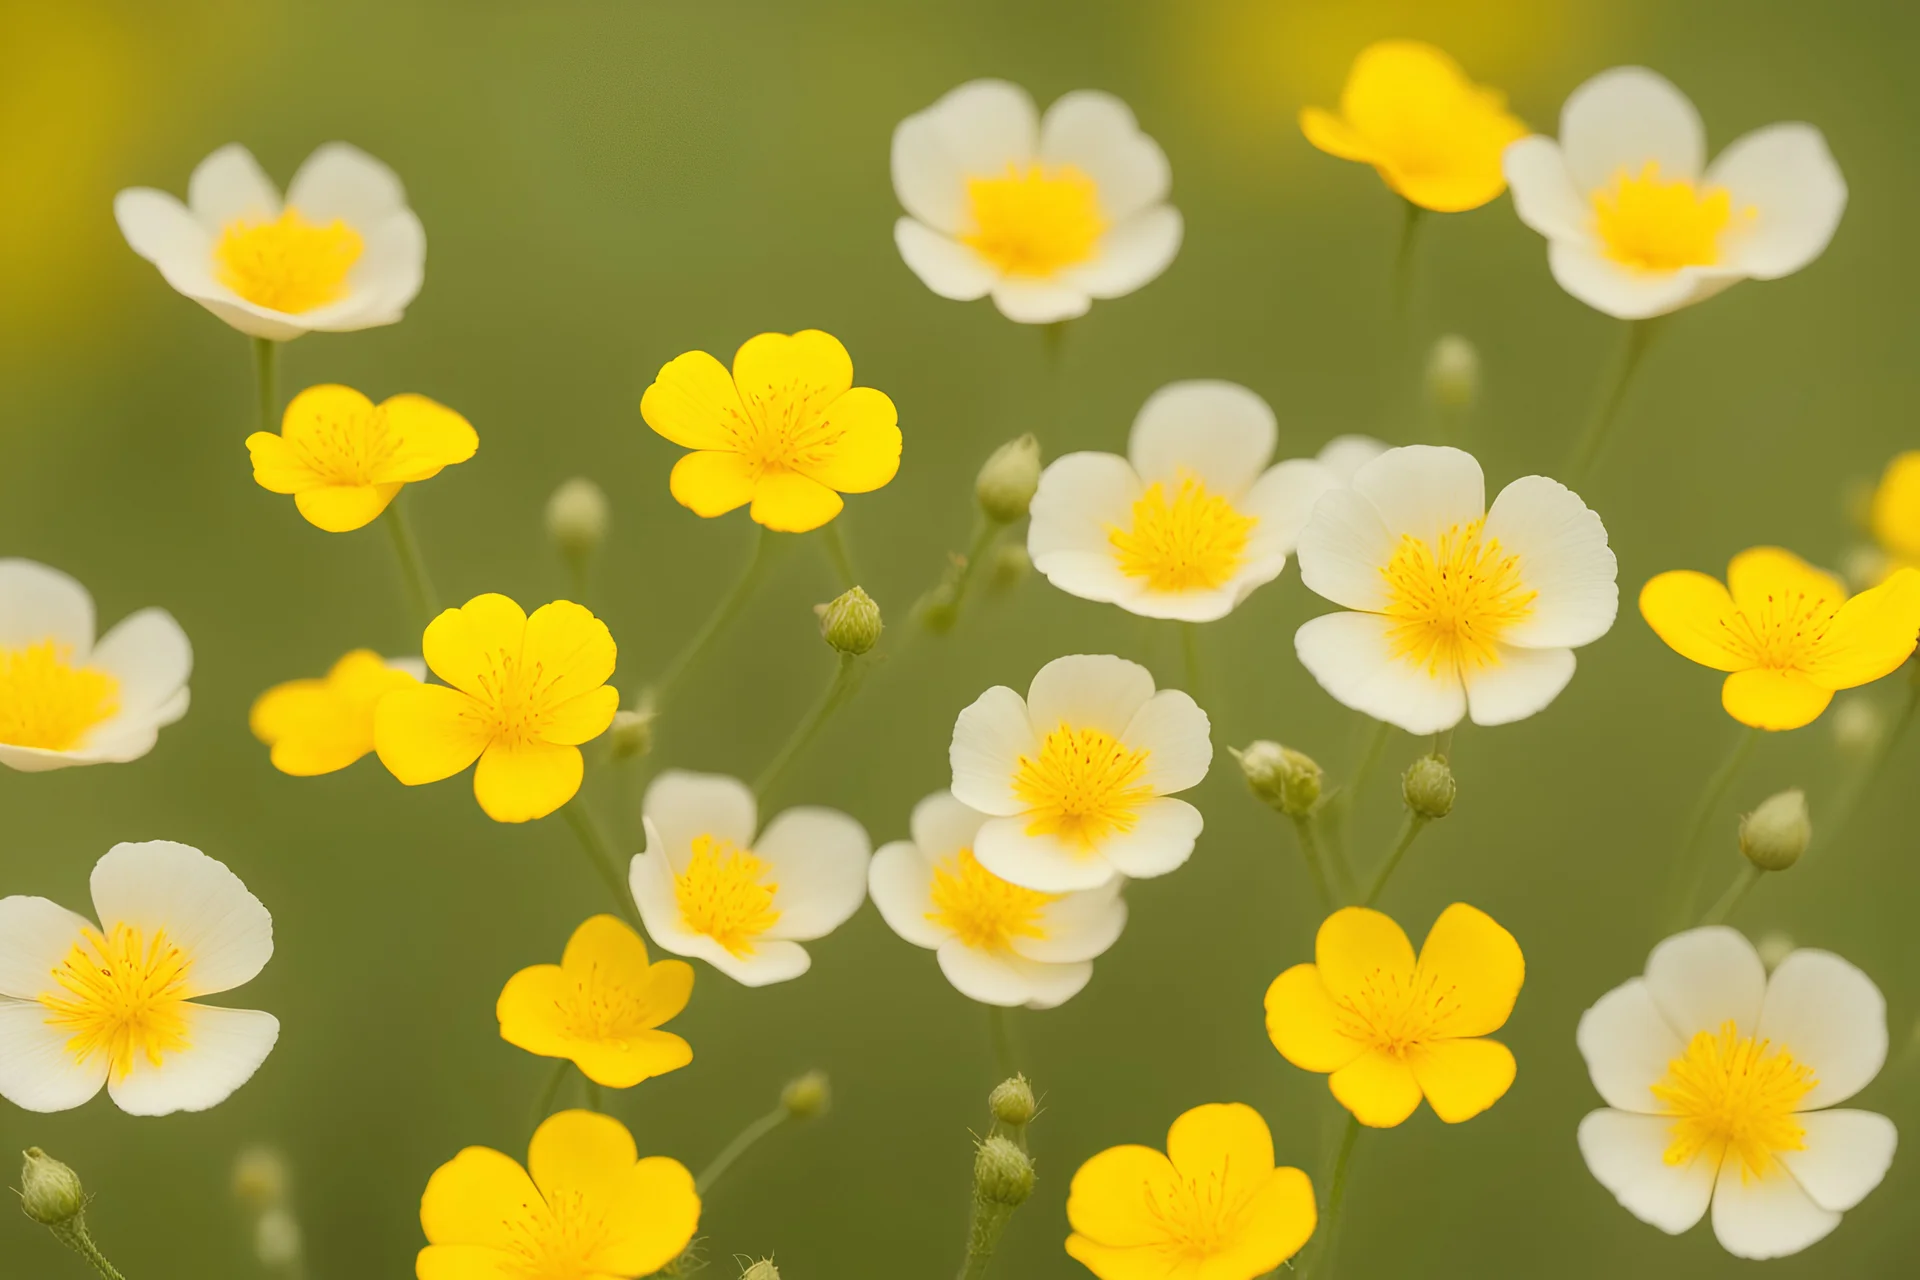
(124, 998)
(556, 1236)
(1453, 600)
(1733, 1095)
(289, 264)
(1786, 632)
(1035, 221)
(1083, 786)
(1397, 1014)
(984, 911)
(1651, 225)
(722, 895)
(1196, 1216)
(47, 702)
(1197, 542)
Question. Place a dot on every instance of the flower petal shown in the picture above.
(1274, 1223)
(1462, 1078)
(985, 976)
(818, 857)
(572, 649)
(339, 508)
(975, 130)
(1693, 613)
(430, 437)
(942, 825)
(1225, 1145)
(1626, 1153)
(1773, 699)
(1704, 978)
(1786, 175)
(1219, 433)
(582, 719)
(339, 180)
(1175, 733)
(1043, 862)
(1830, 1016)
(1283, 500)
(1130, 255)
(788, 502)
(203, 907)
(1564, 560)
(1768, 1217)
(770, 368)
(1423, 490)
(1543, 192)
(1114, 1199)
(1378, 1088)
(1304, 1023)
(1097, 134)
(427, 733)
(225, 1048)
(150, 656)
(1161, 840)
(1624, 292)
(1358, 946)
(655, 1210)
(1759, 575)
(681, 806)
(989, 737)
(1523, 683)
(229, 185)
(900, 882)
(1344, 551)
(692, 402)
(37, 1073)
(1345, 455)
(1081, 500)
(38, 604)
(712, 483)
(1076, 926)
(1628, 1046)
(1845, 1156)
(1025, 300)
(1871, 636)
(580, 1152)
(521, 782)
(476, 1199)
(864, 428)
(462, 646)
(949, 268)
(1353, 658)
(1623, 119)
(1469, 955)
(1088, 691)
(35, 937)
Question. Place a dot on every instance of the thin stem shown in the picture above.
(266, 369)
(577, 577)
(1606, 408)
(723, 613)
(1000, 1028)
(1409, 831)
(1340, 806)
(73, 1234)
(837, 552)
(1190, 654)
(1742, 885)
(1442, 744)
(1687, 871)
(1336, 1201)
(1849, 803)
(1404, 255)
(406, 549)
(551, 1094)
(949, 595)
(1310, 851)
(742, 1141)
(846, 680)
(601, 855)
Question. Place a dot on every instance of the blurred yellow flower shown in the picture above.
(1786, 632)
(525, 693)
(600, 1007)
(1388, 1029)
(585, 1205)
(343, 458)
(1213, 1207)
(1896, 511)
(322, 726)
(787, 430)
(1409, 111)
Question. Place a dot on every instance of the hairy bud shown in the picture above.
(761, 1270)
(1775, 835)
(806, 1095)
(631, 734)
(50, 1193)
(1281, 777)
(1428, 788)
(1006, 483)
(851, 623)
(1012, 1102)
(1002, 1173)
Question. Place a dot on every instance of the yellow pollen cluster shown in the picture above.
(721, 895)
(1453, 600)
(555, 1239)
(599, 1007)
(288, 265)
(786, 426)
(515, 702)
(1395, 1013)
(1083, 786)
(1734, 1095)
(123, 998)
(1194, 1213)
(1652, 225)
(984, 911)
(1783, 633)
(47, 702)
(1035, 221)
(347, 448)
(1194, 543)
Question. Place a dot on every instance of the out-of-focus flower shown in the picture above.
(342, 252)
(1458, 609)
(997, 942)
(1453, 372)
(1786, 633)
(1388, 1029)
(85, 1005)
(707, 888)
(321, 726)
(786, 430)
(1345, 455)
(521, 694)
(1078, 778)
(66, 700)
(1634, 226)
(343, 458)
(1190, 522)
(1895, 512)
(1044, 214)
(1718, 1082)
(1410, 111)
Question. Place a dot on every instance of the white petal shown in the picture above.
(900, 882)
(38, 603)
(1028, 301)
(944, 265)
(1345, 455)
(36, 760)
(382, 283)
(149, 655)
(1628, 1047)
(1081, 498)
(1624, 292)
(1162, 838)
(1627, 1154)
(1042, 862)
(1283, 500)
(1352, 658)
(1199, 604)
(1088, 691)
(1077, 926)
(36, 1071)
(1624, 118)
(1345, 549)
(1705, 978)
(976, 130)
(982, 975)
(1768, 1217)
(1176, 735)
(1219, 433)
(35, 936)
(1096, 133)
(1564, 560)
(204, 908)
(255, 322)
(683, 806)
(942, 826)
(1521, 684)
(1830, 1016)
(224, 1048)
(1846, 1155)
(230, 184)
(1051, 985)
(119, 740)
(770, 961)
(1423, 489)
(1130, 255)
(1543, 192)
(819, 859)
(650, 880)
(1786, 175)
(988, 740)
(161, 229)
(339, 180)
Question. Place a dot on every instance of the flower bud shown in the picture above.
(1774, 947)
(1006, 484)
(761, 1270)
(806, 1095)
(1858, 726)
(276, 1240)
(260, 1178)
(1427, 787)
(1002, 1173)
(1011, 565)
(1453, 372)
(851, 623)
(1775, 835)
(1012, 1102)
(50, 1193)
(1281, 777)
(577, 517)
(630, 734)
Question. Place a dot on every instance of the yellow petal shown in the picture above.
(573, 650)
(1871, 635)
(1222, 1144)
(860, 443)
(1462, 1078)
(1357, 945)
(339, 508)
(427, 733)
(277, 467)
(711, 484)
(308, 728)
(322, 415)
(693, 403)
(474, 1199)
(531, 1011)
(429, 436)
(1331, 134)
(1114, 1197)
(651, 1215)
(810, 364)
(606, 946)
(1272, 1226)
(1896, 507)
(287, 709)
(788, 502)
(1773, 699)
(462, 646)
(518, 783)
(624, 1064)
(1303, 1023)
(1436, 137)
(582, 1152)
(467, 1262)
(1378, 1088)
(1761, 574)
(1124, 1262)
(581, 719)
(1694, 614)
(1478, 964)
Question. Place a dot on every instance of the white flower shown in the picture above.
(1190, 522)
(1345, 455)
(707, 888)
(342, 252)
(1043, 214)
(1718, 1081)
(1461, 610)
(82, 1005)
(65, 700)
(997, 942)
(1078, 778)
(1634, 227)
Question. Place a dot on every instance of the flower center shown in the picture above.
(515, 703)
(1082, 786)
(288, 265)
(1194, 1213)
(556, 1238)
(1395, 1013)
(123, 998)
(984, 911)
(1785, 632)
(47, 702)
(1650, 225)
(604, 1010)
(345, 448)
(1034, 221)
(1452, 600)
(1194, 543)
(785, 428)
(722, 894)
(1734, 1095)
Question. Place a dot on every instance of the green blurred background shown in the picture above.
(607, 185)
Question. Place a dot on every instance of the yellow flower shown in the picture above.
(787, 430)
(525, 693)
(322, 726)
(1212, 1208)
(1410, 112)
(583, 1206)
(601, 1007)
(343, 458)
(1387, 1029)
(1786, 632)
(1896, 511)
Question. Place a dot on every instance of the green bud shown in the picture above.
(806, 1095)
(1774, 946)
(1006, 484)
(1002, 1173)
(1281, 777)
(1012, 1102)
(260, 1178)
(630, 735)
(1011, 565)
(50, 1193)
(276, 1240)
(577, 517)
(761, 1270)
(1775, 835)
(1453, 372)
(1427, 787)
(851, 623)
(1858, 726)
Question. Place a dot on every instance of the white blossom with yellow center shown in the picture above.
(1720, 1083)
(708, 888)
(84, 1005)
(342, 251)
(1078, 779)
(67, 700)
(996, 942)
(1190, 522)
(1638, 224)
(1458, 609)
(1043, 214)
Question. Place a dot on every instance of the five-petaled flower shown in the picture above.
(1213, 1207)
(1388, 1029)
(1786, 633)
(1720, 1084)
(522, 694)
(322, 726)
(84, 1005)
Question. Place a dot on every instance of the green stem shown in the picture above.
(1190, 654)
(837, 552)
(1336, 1200)
(939, 608)
(73, 1234)
(742, 1141)
(406, 550)
(1316, 866)
(1404, 255)
(577, 577)
(1339, 808)
(1000, 1028)
(1442, 744)
(551, 1094)
(846, 681)
(723, 613)
(1688, 871)
(266, 368)
(1742, 885)
(1606, 408)
(601, 855)
(1409, 831)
